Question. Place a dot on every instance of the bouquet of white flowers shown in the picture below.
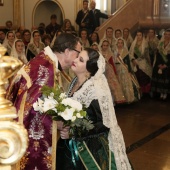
(60, 107)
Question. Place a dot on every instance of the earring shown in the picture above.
(87, 75)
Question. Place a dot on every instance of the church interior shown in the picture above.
(145, 123)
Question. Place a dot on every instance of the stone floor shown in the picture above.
(146, 129)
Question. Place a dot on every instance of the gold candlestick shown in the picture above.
(13, 136)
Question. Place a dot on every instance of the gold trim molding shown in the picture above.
(17, 13)
(13, 136)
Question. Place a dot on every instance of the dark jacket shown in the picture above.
(50, 29)
(97, 14)
(86, 18)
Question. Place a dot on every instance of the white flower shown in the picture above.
(38, 105)
(51, 96)
(68, 114)
(73, 118)
(79, 115)
(62, 96)
(77, 105)
(40, 102)
(49, 104)
(66, 101)
(72, 103)
(55, 109)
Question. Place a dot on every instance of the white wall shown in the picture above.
(29, 8)
(6, 12)
(69, 10)
(44, 11)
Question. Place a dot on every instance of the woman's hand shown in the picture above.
(64, 133)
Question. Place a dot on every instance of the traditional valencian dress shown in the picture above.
(32, 50)
(21, 56)
(143, 71)
(126, 76)
(6, 43)
(42, 131)
(161, 78)
(101, 148)
(112, 41)
(111, 75)
(114, 84)
(152, 43)
(128, 40)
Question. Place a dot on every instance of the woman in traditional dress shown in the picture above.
(110, 73)
(95, 46)
(106, 51)
(9, 41)
(127, 37)
(153, 43)
(18, 51)
(94, 38)
(140, 60)
(161, 69)
(109, 35)
(127, 79)
(102, 147)
(84, 38)
(118, 34)
(35, 45)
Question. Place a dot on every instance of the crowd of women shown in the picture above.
(115, 66)
(134, 66)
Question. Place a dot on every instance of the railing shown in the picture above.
(125, 17)
(137, 14)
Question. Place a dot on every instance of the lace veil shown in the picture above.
(5, 43)
(32, 37)
(20, 56)
(97, 88)
(144, 45)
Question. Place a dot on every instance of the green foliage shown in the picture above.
(78, 122)
(46, 91)
(84, 124)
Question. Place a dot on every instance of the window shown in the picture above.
(102, 5)
(98, 4)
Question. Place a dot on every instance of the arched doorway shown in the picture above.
(44, 9)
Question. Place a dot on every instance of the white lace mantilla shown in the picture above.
(86, 94)
(97, 88)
